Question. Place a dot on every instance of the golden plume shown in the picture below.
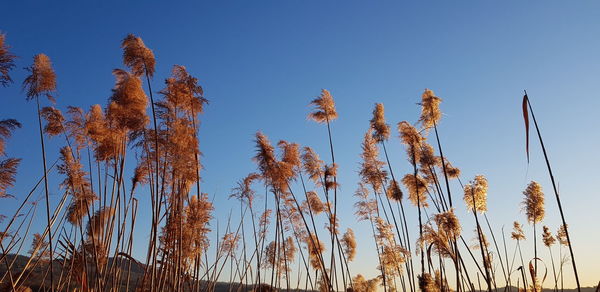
(42, 79)
(394, 192)
(561, 235)
(517, 233)
(7, 61)
(547, 237)
(381, 130)
(411, 137)
(534, 202)
(417, 188)
(137, 56)
(349, 244)
(430, 109)
(54, 121)
(6, 128)
(8, 171)
(371, 170)
(313, 166)
(324, 108)
(128, 102)
(475, 194)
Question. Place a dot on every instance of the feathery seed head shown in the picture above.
(42, 79)
(534, 202)
(381, 130)
(475, 194)
(137, 56)
(547, 237)
(517, 233)
(324, 108)
(7, 62)
(430, 109)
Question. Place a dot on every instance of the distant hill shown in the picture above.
(34, 281)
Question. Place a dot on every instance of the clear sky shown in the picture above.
(261, 62)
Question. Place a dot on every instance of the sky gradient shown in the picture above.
(261, 62)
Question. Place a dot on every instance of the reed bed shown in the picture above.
(276, 241)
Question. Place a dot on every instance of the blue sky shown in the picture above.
(261, 62)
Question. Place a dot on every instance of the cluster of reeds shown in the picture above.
(88, 238)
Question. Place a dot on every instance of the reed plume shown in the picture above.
(315, 250)
(517, 233)
(127, 108)
(77, 185)
(371, 171)
(417, 189)
(561, 235)
(534, 202)
(394, 192)
(476, 194)
(42, 80)
(410, 137)
(349, 244)
(8, 172)
(312, 165)
(427, 283)
(314, 203)
(548, 239)
(360, 284)
(54, 121)
(6, 128)
(324, 108)
(430, 109)
(381, 130)
(137, 56)
(7, 61)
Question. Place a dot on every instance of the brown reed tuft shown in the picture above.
(411, 137)
(137, 56)
(7, 61)
(6, 128)
(417, 189)
(427, 283)
(42, 79)
(349, 244)
(314, 203)
(371, 170)
(547, 237)
(243, 190)
(381, 130)
(475, 194)
(360, 284)
(315, 249)
(324, 108)
(312, 165)
(54, 121)
(430, 109)
(561, 235)
(8, 172)
(394, 192)
(128, 102)
(77, 185)
(517, 233)
(534, 202)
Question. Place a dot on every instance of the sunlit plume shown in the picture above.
(447, 228)
(371, 171)
(417, 189)
(561, 235)
(75, 127)
(42, 80)
(381, 130)
(7, 61)
(430, 109)
(128, 102)
(77, 184)
(6, 128)
(410, 137)
(547, 237)
(312, 165)
(517, 233)
(475, 194)
(8, 172)
(365, 207)
(314, 203)
(54, 121)
(394, 192)
(137, 56)
(349, 244)
(106, 140)
(427, 283)
(328, 176)
(183, 91)
(534, 202)
(360, 284)
(315, 249)
(243, 191)
(324, 108)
